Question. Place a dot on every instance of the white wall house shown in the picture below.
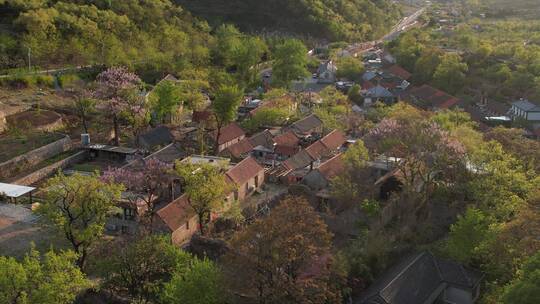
(525, 109)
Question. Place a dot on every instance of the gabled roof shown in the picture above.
(175, 214)
(307, 124)
(229, 132)
(332, 167)
(526, 106)
(434, 97)
(379, 91)
(287, 151)
(399, 72)
(244, 171)
(416, 279)
(288, 139)
(263, 138)
(334, 140)
(242, 147)
(169, 154)
(159, 136)
(300, 160)
(316, 150)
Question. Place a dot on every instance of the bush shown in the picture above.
(45, 81)
(68, 79)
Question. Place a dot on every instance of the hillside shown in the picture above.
(328, 19)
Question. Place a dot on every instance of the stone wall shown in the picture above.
(45, 172)
(34, 157)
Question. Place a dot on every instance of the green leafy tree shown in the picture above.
(467, 235)
(225, 106)
(290, 61)
(140, 269)
(450, 75)
(350, 68)
(247, 57)
(265, 117)
(526, 288)
(206, 188)
(200, 283)
(77, 207)
(355, 94)
(350, 186)
(51, 279)
(165, 99)
(427, 64)
(228, 43)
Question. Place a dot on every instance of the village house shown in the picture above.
(287, 144)
(155, 138)
(430, 98)
(128, 213)
(264, 145)
(229, 135)
(319, 178)
(178, 220)
(424, 278)
(246, 178)
(310, 126)
(239, 150)
(327, 72)
(112, 153)
(524, 109)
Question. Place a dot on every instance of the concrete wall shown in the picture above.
(32, 158)
(45, 172)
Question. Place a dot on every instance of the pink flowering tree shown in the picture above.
(147, 180)
(429, 156)
(118, 87)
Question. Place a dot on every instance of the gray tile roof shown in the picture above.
(526, 106)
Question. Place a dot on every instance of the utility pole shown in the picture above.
(29, 62)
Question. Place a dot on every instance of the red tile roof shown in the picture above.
(287, 151)
(241, 147)
(316, 150)
(230, 132)
(263, 138)
(436, 98)
(368, 85)
(334, 140)
(332, 167)
(287, 139)
(244, 171)
(175, 214)
(398, 71)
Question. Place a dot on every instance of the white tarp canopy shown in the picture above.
(14, 191)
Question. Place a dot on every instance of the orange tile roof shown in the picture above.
(287, 139)
(244, 171)
(241, 147)
(398, 71)
(332, 167)
(334, 140)
(317, 150)
(229, 132)
(176, 213)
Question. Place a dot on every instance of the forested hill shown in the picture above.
(79, 32)
(328, 19)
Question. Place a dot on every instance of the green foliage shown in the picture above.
(53, 279)
(451, 73)
(226, 103)
(142, 268)
(206, 188)
(355, 94)
(77, 207)
(332, 97)
(526, 288)
(450, 120)
(333, 117)
(350, 68)
(165, 99)
(371, 208)
(266, 117)
(200, 283)
(467, 234)
(290, 61)
(336, 21)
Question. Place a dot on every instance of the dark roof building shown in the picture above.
(398, 71)
(308, 125)
(431, 98)
(244, 171)
(229, 133)
(240, 149)
(264, 139)
(424, 278)
(157, 137)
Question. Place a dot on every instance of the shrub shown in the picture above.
(68, 79)
(45, 81)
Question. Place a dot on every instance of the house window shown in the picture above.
(235, 195)
(247, 187)
(187, 225)
(125, 229)
(256, 181)
(129, 214)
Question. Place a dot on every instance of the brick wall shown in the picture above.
(32, 158)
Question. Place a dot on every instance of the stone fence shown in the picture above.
(22, 162)
(45, 172)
